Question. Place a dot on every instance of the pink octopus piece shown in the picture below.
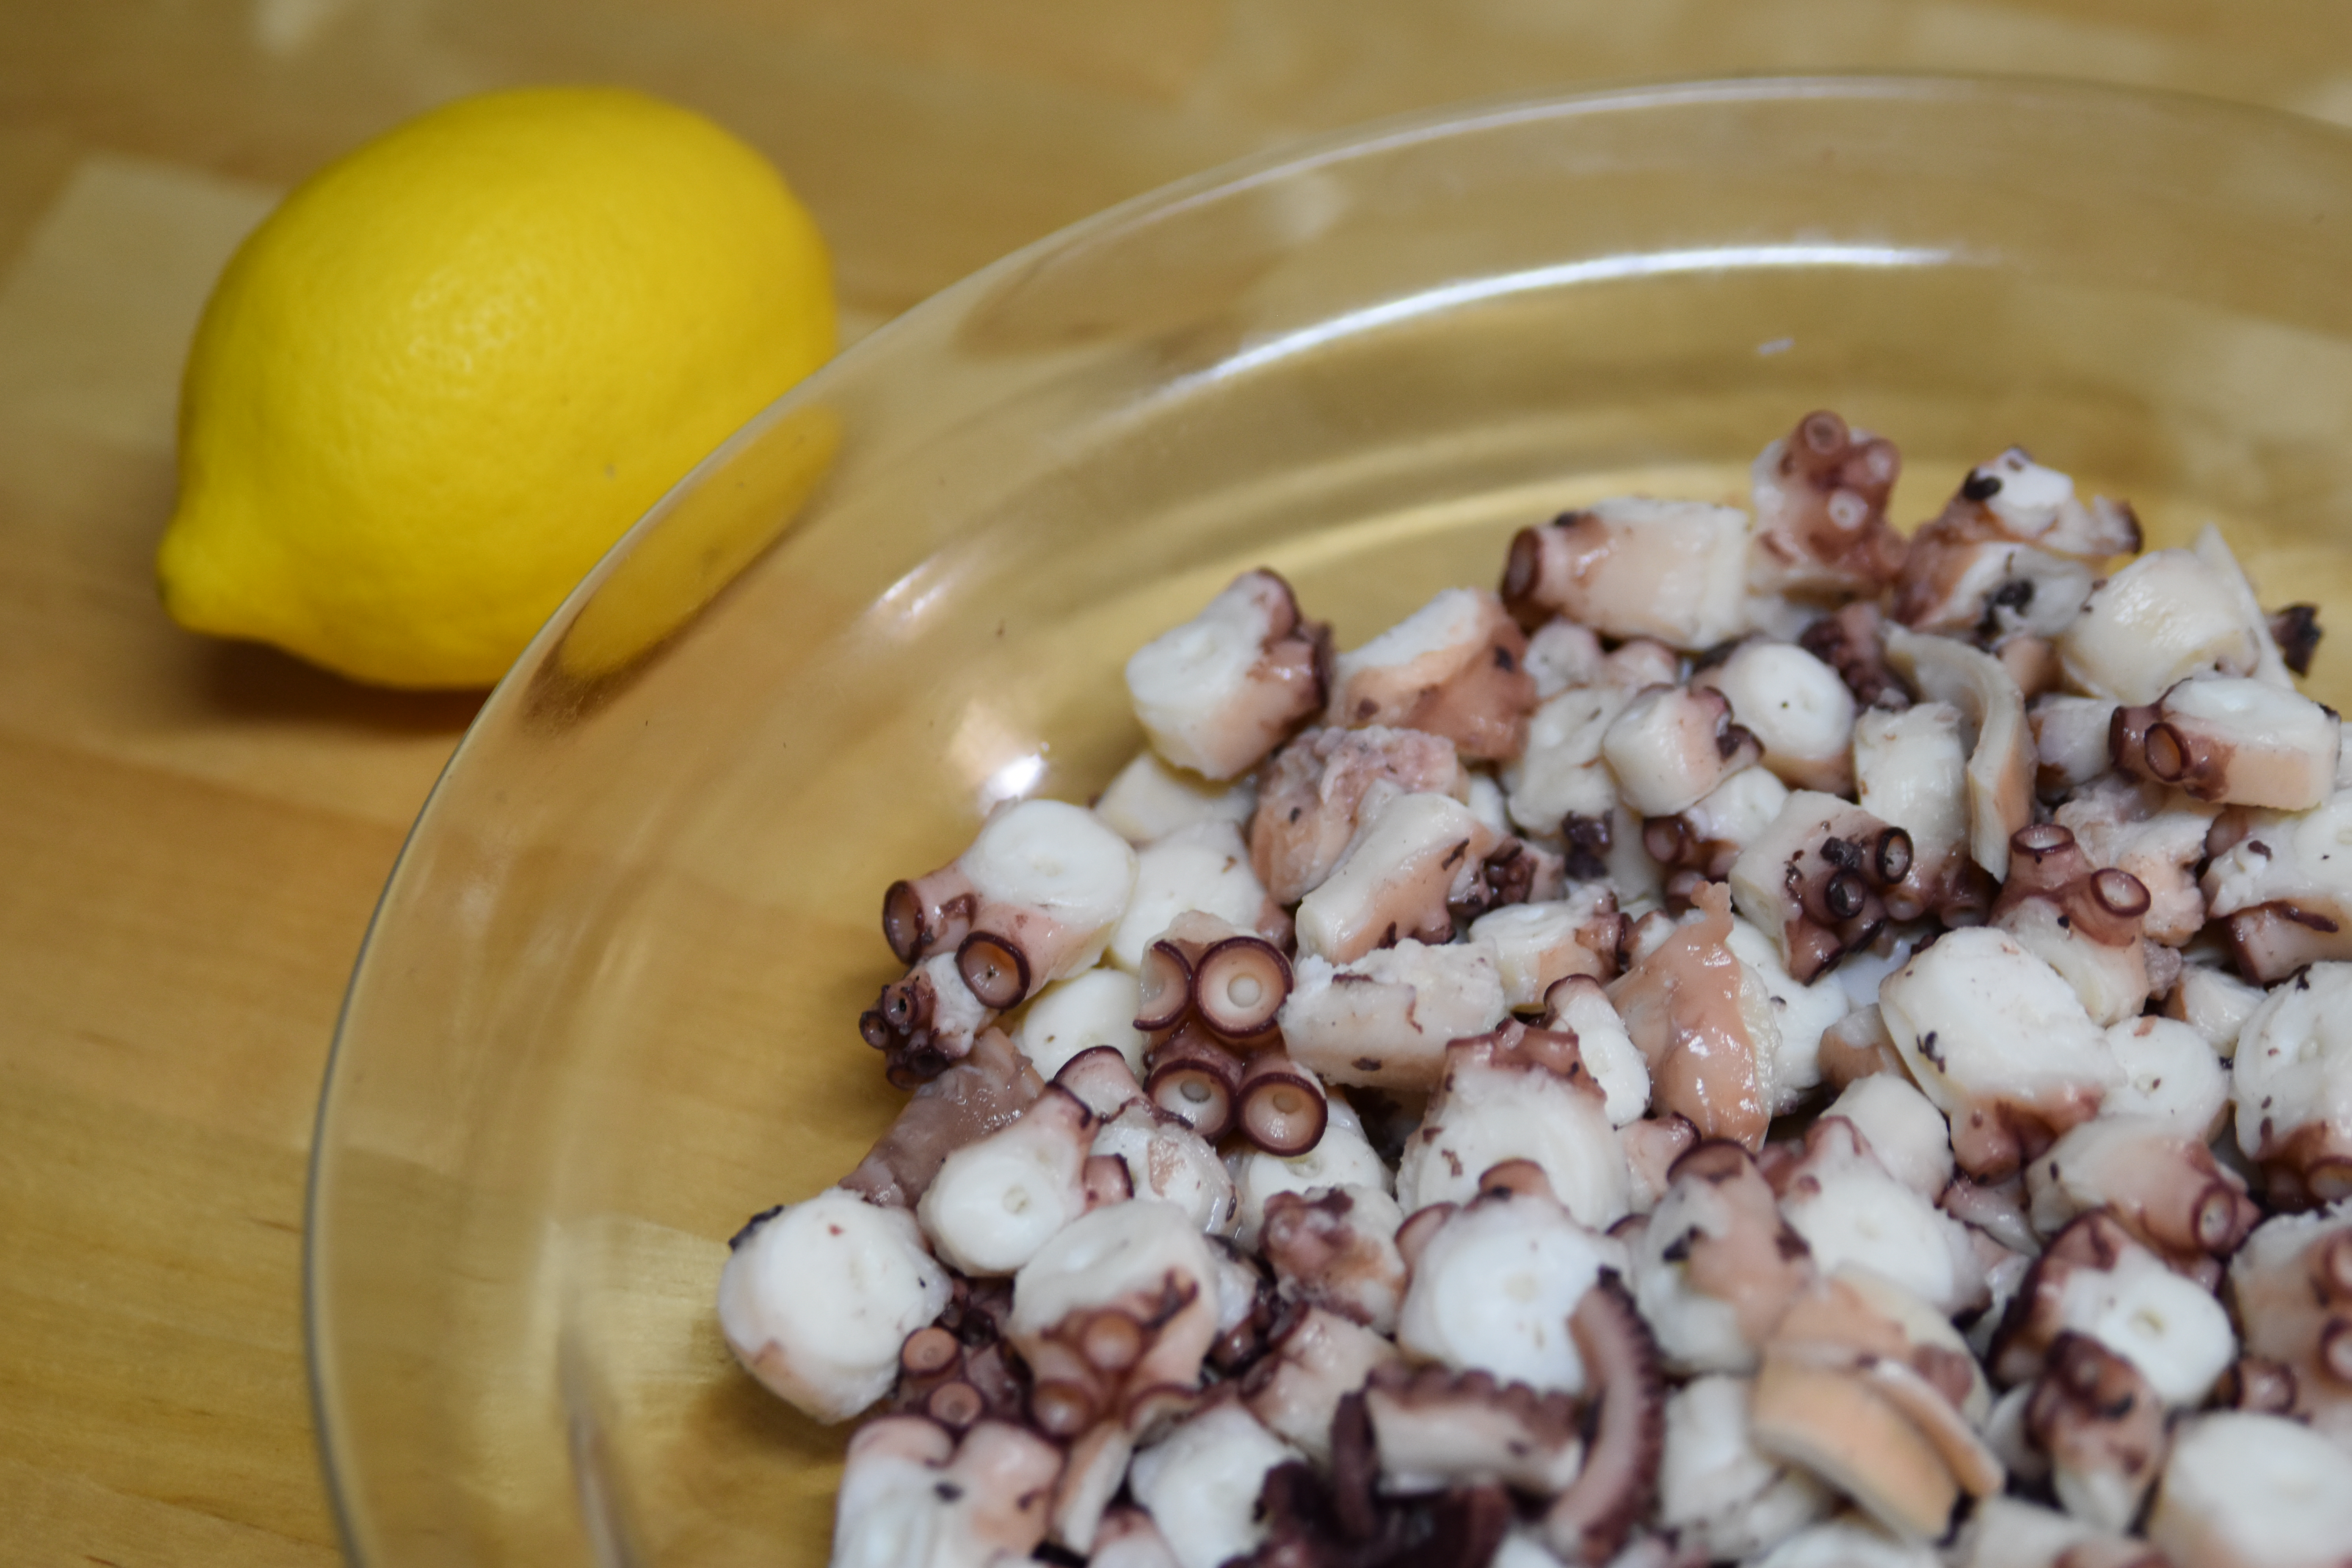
(1456, 667)
(1219, 692)
(1820, 497)
(1325, 785)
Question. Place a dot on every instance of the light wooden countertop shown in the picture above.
(192, 835)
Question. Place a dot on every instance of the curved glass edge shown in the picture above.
(1164, 202)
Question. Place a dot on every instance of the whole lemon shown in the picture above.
(442, 378)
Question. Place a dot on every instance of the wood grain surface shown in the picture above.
(192, 835)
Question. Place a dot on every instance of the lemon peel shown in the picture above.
(452, 368)
(702, 541)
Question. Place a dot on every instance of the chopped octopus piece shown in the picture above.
(996, 1201)
(1707, 839)
(2215, 1003)
(817, 1297)
(1821, 512)
(1911, 773)
(2282, 889)
(2291, 1080)
(1435, 1429)
(2001, 1044)
(1201, 1484)
(1219, 692)
(1455, 667)
(1797, 707)
(1688, 1006)
(2154, 834)
(1317, 1358)
(1343, 1158)
(1580, 1007)
(1589, 1522)
(925, 1021)
(1672, 569)
(1032, 899)
(1384, 1020)
(1817, 882)
(1149, 800)
(1166, 1159)
(1562, 774)
(2232, 740)
(2082, 920)
(1118, 1306)
(1196, 1078)
(1085, 1012)
(2072, 742)
(2010, 553)
(1717, 1264)
(1207, 971)
(1322, 787)
(1904, 1131)
(967, 1101)
(2160, 1184)
(1857, 1046)
(2292, 1283)
(2102, 1427)
(1413, 859)
(912, 1493)
(2162, 619)
(2000, 744)
(2253, 1491)
(1672, 745)
(1338, 1252)
(1491, 1289)
(2094, 1278)
(1716, 1489)
(1874, 1392)
(1852, 641)
(1561, 654)
(1281, 1107)
(1653, 1145)
(1537, 945)
(1205, 869)
(959, 1370)
(1801, 1015)
(1515, 872)
(2009, 1532)
(1052, 882)
(1851, 1210)
(1345, 1521)
(1517, 1093)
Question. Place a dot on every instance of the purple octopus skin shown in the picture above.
(2292, 1290)
(1850, 641)
(966, 1103)
(1322, 1257)
(2102, 1427)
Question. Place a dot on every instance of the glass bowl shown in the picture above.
(608, 1005)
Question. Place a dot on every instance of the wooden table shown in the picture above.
(192, 835)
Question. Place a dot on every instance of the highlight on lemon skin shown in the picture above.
(437, 384)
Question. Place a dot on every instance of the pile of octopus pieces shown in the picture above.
(1763, 1041)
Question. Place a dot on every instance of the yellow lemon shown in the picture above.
(452, 369)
